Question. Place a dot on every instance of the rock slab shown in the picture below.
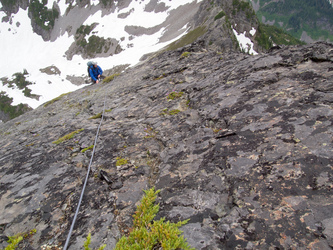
(241, 145)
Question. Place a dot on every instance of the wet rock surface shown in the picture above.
(242, 147)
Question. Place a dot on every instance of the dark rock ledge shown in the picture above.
(248, 157)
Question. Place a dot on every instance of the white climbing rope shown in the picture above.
(85, 183)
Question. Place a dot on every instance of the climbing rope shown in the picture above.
(85, 183)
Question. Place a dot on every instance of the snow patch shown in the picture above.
(252, 31)
(245, 43)
(49, 4)
(63, 7)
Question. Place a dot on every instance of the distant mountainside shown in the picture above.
(307, 20)
(61, 36)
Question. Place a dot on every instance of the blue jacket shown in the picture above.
(94, 72)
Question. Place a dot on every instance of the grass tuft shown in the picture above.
(13, 242)
(174, 112)
(185, 54)
(99, 115)
(88, 241)
(55, 99)
(67, 137)
(110, 78)
(171, 112)
(87, 148)
(174, 95)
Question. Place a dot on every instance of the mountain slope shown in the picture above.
(60, 37)
(240, 145)
(55, 46)
(306, 20)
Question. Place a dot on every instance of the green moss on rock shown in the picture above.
(68, 136)
(99, 115)
(121, 161)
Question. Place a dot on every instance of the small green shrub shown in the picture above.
(16, 239)
(67, 137)
(13, 242)
(31, 232)
(147, 234)
(88, 241)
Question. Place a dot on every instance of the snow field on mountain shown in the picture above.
(22, 49)
(245, 43)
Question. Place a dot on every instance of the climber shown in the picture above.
(95, 72)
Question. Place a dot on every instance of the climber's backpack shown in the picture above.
(89, 64)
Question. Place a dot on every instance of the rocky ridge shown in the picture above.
(241, 145)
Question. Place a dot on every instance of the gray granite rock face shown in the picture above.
(245, 153)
